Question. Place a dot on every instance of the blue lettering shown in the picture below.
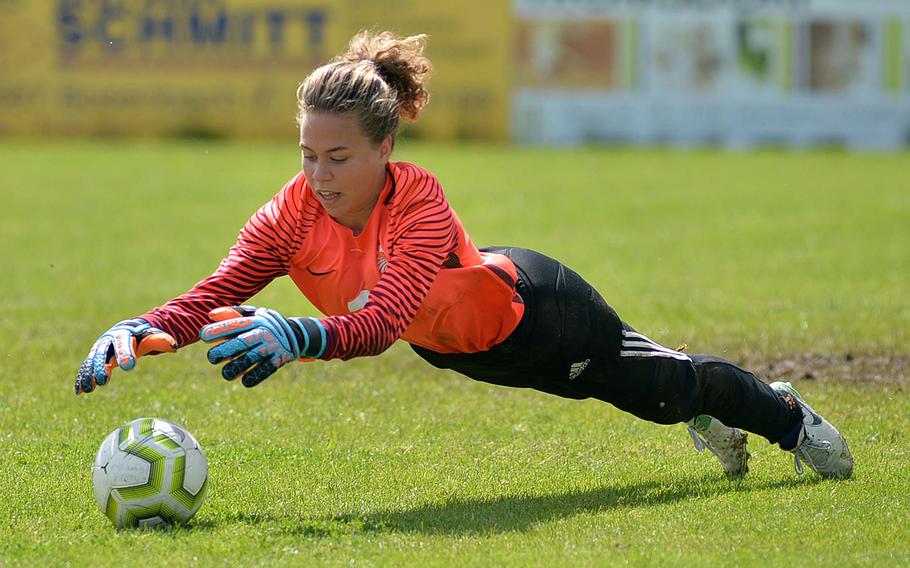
(208, 31)
(110, 13)
(71, 34)
(157, 20)
(315, 20)
(99, 28)
(245, 24)
(275, 20)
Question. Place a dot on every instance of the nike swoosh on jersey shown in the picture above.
(319, 273)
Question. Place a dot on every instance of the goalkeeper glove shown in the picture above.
(120, 346)
(258, 341)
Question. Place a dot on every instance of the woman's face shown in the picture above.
(345, 169)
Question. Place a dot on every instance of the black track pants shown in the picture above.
(572, 344)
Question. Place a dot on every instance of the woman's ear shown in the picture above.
(385, 147)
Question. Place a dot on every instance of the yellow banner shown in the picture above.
(231, 67)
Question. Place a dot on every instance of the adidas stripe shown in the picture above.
(635, 344)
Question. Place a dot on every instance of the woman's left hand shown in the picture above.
(255, 342)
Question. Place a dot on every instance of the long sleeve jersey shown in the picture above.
(412, 273)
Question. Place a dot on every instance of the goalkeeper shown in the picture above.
(375, 246)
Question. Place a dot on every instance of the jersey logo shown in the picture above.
(314, 273)
(382, 261)
(576, 369)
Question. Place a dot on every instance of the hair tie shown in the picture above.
(377, 69)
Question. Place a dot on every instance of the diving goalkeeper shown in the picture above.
(375, 246)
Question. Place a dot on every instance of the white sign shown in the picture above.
(745, 73)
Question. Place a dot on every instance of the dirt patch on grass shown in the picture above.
(820, 366)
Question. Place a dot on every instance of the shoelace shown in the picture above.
(802, 449)
(699, 442)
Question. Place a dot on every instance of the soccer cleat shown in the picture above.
(818, 443)
(728, 444)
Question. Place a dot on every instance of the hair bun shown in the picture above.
(399, 61)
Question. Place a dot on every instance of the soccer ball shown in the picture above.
(149, 472)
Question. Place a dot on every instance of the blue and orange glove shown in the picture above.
(120, 346)
(258, 341)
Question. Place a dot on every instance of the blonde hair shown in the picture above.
(378, 80)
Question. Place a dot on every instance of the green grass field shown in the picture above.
(795, 263)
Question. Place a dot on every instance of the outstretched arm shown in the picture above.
(259, 256)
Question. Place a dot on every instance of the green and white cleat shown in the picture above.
(728, 444)
(819, 443)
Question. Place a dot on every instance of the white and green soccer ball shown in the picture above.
(149, 472)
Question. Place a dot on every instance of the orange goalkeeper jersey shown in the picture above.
(412, 273)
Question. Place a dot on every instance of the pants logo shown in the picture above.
(578, 368)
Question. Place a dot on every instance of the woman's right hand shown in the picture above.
(120, 346)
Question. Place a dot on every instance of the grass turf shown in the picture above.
(387, 461)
